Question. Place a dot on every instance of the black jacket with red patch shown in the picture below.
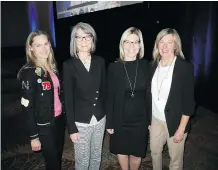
(37, 98)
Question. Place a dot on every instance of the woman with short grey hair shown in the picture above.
(87, 30)
(84, 89)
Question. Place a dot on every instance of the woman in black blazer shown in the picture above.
(127, 114)
(171, 99)
(41, 99)
(84, 91)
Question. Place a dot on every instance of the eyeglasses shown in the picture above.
(128, 43)
(87, 38)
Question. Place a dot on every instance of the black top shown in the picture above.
(134, 111)
(118, 87)
(37, 98)
(181, 96)
(127, 114)
(84, 91)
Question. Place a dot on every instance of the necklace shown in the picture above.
(165, 76)
(130, 84)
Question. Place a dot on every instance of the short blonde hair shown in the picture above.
(178, 45)
(129, 31)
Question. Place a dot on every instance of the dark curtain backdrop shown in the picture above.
(14, 23)
(196, 23)
(200, 41)
(22, 17)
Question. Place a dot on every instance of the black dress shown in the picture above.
(131, 137)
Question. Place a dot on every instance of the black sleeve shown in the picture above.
(61, 92)
(28, 84)
(68, 83)
(110, 97)
(148, 93)
(188, 90)
(103, 87)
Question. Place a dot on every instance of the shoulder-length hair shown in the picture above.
(88, 30)
(178, 45)
(129, 31)
(31, 58)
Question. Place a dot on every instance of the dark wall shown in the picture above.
(14, 23)
(194, 21)
(109, 25)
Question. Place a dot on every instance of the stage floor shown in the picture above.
(201, 151)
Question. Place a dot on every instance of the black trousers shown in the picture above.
(52, 142)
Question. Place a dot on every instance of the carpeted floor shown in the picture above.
(201, 152)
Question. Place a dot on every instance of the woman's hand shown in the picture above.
(36, 145)
(110, 131)
(149, 127)
(178, 137)
(75, 137)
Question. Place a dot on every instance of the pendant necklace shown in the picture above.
(130, 84)
(166, 75)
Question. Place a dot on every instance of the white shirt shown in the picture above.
(160, 88)
(87, 64)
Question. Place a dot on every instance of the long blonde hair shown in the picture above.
(30, 58)
(178, 45)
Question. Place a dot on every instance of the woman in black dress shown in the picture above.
(127, 115)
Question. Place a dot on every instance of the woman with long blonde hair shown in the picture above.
(41, 101)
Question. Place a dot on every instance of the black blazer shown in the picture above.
(181, 96)
(37, 98)
(84, 91)
(116, 92)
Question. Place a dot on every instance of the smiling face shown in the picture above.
(40, 47)
(166, 46)
(83, 41)
(131, 46)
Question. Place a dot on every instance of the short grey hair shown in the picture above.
(88, 30)
(129, 31)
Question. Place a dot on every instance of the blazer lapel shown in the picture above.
(79, 65)
(93, 64)
(175, 77)
(153, 67)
